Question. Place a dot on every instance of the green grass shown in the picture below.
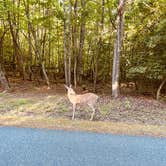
(127, 104)
(15, 104)
(2, 94)
(18, 102)
(62, 107)
(105, 108)
(37, 112)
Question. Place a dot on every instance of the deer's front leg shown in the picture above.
(92, 113)
(74, 109)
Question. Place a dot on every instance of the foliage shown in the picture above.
(143, 54)
(145, 39)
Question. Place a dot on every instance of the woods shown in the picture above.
(98, 42)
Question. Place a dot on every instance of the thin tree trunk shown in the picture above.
(69, 42)
(117, 50)
(15, 37)
(45, 75)
(81, 45)
(3, 80)
(101, 27)
(37, 46)
(75, 49)
(65, 44)
(159, 89)
(110, 16)
(29, 46)
(59, 55)
(49, 42)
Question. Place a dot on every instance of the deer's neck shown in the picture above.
(72, 97)
(71, 94)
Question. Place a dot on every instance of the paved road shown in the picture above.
(35, 147)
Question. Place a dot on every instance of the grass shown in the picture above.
(19, 102)
(2, 94)
(105, 108)
(62, 107)
(82, 125)
(127, 104)
(35, 113)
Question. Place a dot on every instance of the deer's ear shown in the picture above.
(66, 86)
(70, 86)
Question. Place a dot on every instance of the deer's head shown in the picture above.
(70, 90)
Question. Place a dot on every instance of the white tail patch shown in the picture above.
(89, 99)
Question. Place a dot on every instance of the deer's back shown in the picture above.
(87, 98)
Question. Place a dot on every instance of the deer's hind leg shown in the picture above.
(74, 109)
(93, 109)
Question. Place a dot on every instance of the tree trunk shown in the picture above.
(58, 51)
(14, 30)
(69, 43)
(65, 44)
(81, 45)
(29, 46)
(75, 49)
(37, 44)
(3, 79)
(117, 50)
(45, 74)
(159, 89)
(101, 27)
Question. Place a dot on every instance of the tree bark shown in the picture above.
(65, 43)
(45, 74)
(101, 27)
(117, 50)
(3, 78)
(37, 46)
(69, 42)
(14, 30)
(159, 89)
(81, 45)
(29, 45)
(75, 49)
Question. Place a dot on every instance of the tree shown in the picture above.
(81, 44)
(37, 44)
(13, 18)
(72, 40)
(3, 78)
(99, 44)
(117, 50)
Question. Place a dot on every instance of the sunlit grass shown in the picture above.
(2, 94)
(18, 102)
(39, 113)
(44, 106)
(105, 108)
(83, 125)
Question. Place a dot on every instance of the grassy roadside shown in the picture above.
(125, 115)
(82, 125)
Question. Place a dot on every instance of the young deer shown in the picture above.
(88, 98)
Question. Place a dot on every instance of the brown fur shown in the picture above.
(89, 99)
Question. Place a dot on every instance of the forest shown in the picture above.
(118, 44)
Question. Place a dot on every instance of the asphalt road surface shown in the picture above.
(38, 147)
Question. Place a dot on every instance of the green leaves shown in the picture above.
(144, 45)
(146, 38)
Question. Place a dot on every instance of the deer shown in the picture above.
(89, 99)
